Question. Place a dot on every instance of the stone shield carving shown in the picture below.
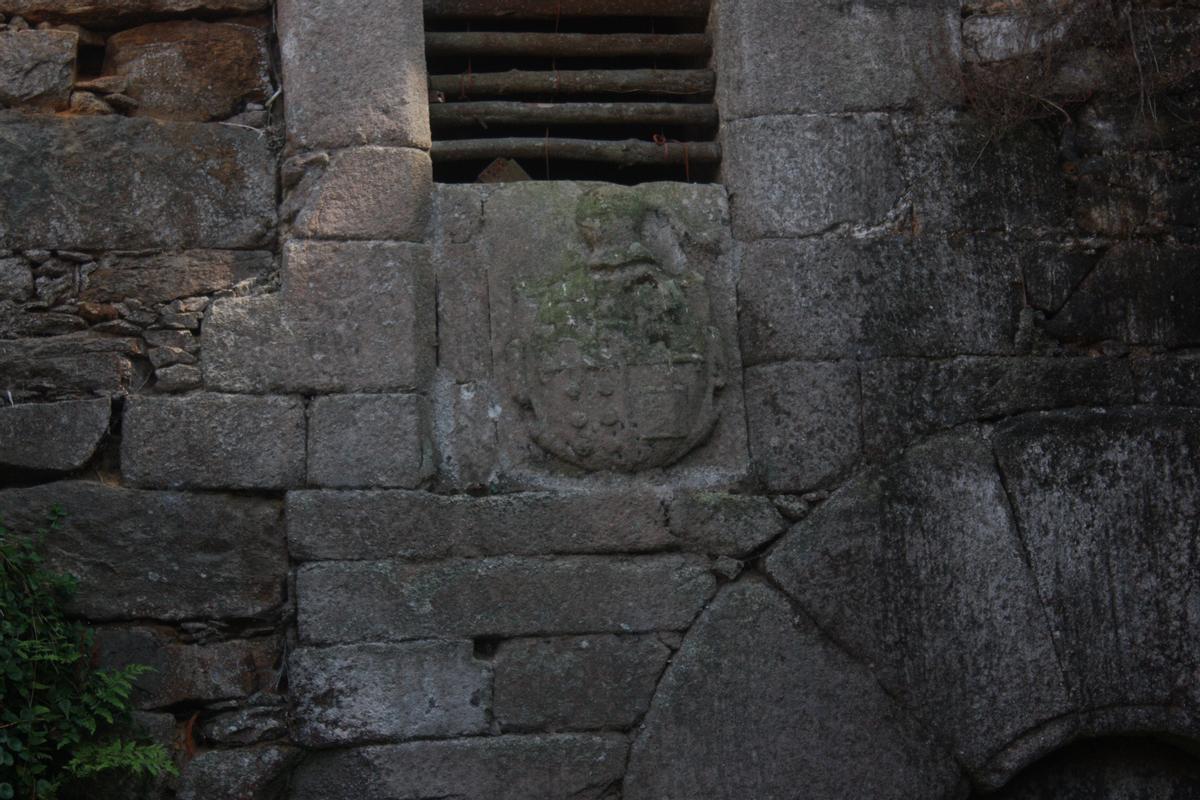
(620, 361)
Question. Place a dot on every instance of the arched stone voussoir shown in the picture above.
(917, 569)
(759, 704)
(1108, 503)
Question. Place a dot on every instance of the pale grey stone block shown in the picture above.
(758, 702)
(213, 441)
(351, 317)
(800, 175)
(381, 692)
(579, 683)
(52, 436)
(332, 525)
(354, 84)
(819, 56)
(369, 440)
(159, 555)
(837, 298)
(365, 193)
(804, 420)
(725, 524)
(508, 596)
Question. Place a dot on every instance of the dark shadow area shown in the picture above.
(1116, 768)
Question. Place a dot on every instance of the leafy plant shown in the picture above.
(60, 718)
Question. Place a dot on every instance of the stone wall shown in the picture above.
(871, 470)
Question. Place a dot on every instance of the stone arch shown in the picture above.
(948, 618)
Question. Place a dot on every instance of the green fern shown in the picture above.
(58, 716)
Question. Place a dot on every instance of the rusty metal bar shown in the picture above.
(629, 152)
(553, 45)
(642, 81)
(452, 115)
(550, 9)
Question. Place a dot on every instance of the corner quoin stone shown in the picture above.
(382, 692)
(351, 317)
(366, 193)
(214, 441)
(344, 601)
(354, 84)
(362, 440)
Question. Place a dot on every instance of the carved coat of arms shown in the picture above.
(620, 361)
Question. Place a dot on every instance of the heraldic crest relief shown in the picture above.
(621, 363)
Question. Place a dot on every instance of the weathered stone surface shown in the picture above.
(352, 317)
(726, 524)
(177, 378)
(1051, 272)
(581, 767)
(214, 441)
(52, 436)
(381, 600)
(964, 178)
(107, 12)
(834, 298)
(781, 57)
(1107, 503)
(613, 352)
(352, 85)
(190, 70)
(16, 279)
(465, 431)
(1172, 380)
(247, 725)
(159, 555)
(69, 365)
(380, 440)
(1109, 769)
(366, 193)
(183, 673)
(67, 183)
(464, 307)
(918, 570)
(380, 692)
(581, 683)
(37, 69)
(804, 420)
(252, 773)
(162, 277)
(907, 398)
(422, 527)
(1141, 294)
(799, 175)
(759, 703)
